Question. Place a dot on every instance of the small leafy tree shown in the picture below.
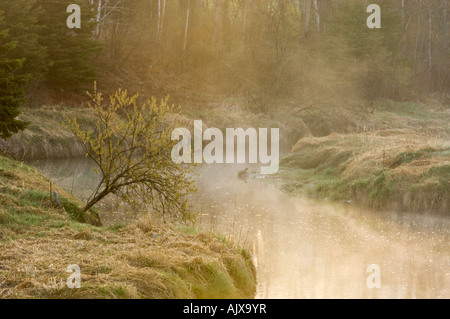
(11, 88)
(132, 149)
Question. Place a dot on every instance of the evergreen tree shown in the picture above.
(11, 88)
(21, 19)
(69, 50)
(380, 69)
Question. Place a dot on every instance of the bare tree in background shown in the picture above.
(317, 14)
(218, 26)
(161, 16)
(306, 15)
(246, 36)
(186, 25)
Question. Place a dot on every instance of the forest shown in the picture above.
(260, 50)
(96, 94)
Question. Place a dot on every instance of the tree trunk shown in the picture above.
(445, 28)
(161, 14)
(416, 47)
(200, 12)
(306, 14)
(158, 28)
(430, 40)
(317, 14)
(162, 18)
(98, 18)
(403, 12)
(186, 28)
(218, 26)
(244, 24)
(96, 199)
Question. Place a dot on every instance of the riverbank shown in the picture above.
(46, 137)
(39, 241)
(401, 163)
(394, 156)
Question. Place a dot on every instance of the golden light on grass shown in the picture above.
(38, 241)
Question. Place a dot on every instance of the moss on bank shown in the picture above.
(38, 241)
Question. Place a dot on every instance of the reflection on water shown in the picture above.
(76, 176)
(316, 250)
(305, 249)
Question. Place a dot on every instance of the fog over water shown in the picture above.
(303, 248)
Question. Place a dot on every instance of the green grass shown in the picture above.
(386, 169)
(26, 199)
(215, 281)
(116, 262)
(114, 292)
(240, 270)
(188, 230)
(20, 219)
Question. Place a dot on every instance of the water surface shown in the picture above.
(302, 248)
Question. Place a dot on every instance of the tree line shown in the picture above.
(280, 47)
(260, 49)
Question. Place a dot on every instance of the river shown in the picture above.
(304, 248)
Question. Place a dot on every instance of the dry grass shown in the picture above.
(46, 137)
(128, 263)
(142, 260)
(398, 169)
